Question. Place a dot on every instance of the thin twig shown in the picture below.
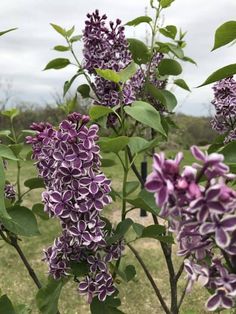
(32, 274)
(183, 295)
(179, 272)
(149, 276)
(13, 242)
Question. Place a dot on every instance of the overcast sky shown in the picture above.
(25, 52)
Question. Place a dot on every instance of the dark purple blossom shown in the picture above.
(68, 159)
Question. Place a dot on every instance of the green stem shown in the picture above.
(18, 181)
(18, 163)
(126, 171)
(80, 67)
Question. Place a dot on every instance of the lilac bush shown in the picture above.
(127, 81)
(68, 160)
(200, 208)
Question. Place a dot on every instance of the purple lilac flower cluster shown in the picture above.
(107, 48)
(224, 101)
(200, 208)
(9, 191)
(68, 159)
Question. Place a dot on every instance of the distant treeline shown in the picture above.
(191, 130)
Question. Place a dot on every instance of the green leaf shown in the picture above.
(153, 231)
(59, 29)
(169, 47)
(138, 229)
(75, 38)
(146, 114)
(70, 31)
(34, 183)
(229, 152)
(7, 153)
(68, 84)
(217, 144)
(169, 31)
(108, 75)
(12, 113)
(128, 72)
(113, 145)
(22, 222)
(170, 100)
(163, 96)
(139, 20)
(121, 230)
(157, 232)
(129, 272)
(7, 31)
(188, 59)
(84, 90)
(61, 48)
(5, 133)
(98, 111)
(139, 51)
(137, 144)
(149, 199)
(16, 148)
(225, 34)
(48, 296)
(146, 201)
(106, 307)
(108, 162)
(57, 64)
(38, 209)
(182, 84)
(165, 3)
(169, 67)
(79, 268)
(131, 186)
(6, 306)
(220, 74)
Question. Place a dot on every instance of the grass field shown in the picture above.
(137, 296)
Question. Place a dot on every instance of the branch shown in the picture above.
(134, 168)
(149, 276)
(179, 272)
(183, 295)
(13, 242)
(32, 274)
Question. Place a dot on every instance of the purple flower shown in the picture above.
(161, 179)
(68, 159)
(200, 208)
(221, 229)
(9, 192)
(225, 106)
(105, 47)
(88, 287)
(219, 300)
